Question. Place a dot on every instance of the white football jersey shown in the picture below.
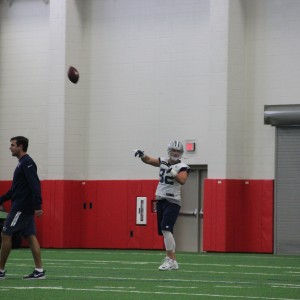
(168, 188)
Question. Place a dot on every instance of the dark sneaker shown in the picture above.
(35, 275)
(2, 275)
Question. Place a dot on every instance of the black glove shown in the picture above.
(139, 153)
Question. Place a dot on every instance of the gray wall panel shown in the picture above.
(287, 191)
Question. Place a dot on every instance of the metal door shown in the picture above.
(188, 228)
(287, 191)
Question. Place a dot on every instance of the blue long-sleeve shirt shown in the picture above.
(25, 191)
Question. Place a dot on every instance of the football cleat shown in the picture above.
(35, 275)
(2, 275)
(168, 264)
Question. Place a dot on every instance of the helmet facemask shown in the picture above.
(175, 150)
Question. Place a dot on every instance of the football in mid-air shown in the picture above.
(73, 74)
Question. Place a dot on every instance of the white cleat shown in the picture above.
(175, 265)
(168, 264)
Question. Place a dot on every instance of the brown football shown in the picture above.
(73, 74)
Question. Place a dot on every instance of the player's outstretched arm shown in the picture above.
(146, 158)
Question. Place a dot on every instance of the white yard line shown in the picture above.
(145, 263)
(177, 287)
(200, 255)
(112, 290)
(154, 279)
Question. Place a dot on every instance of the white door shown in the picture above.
(188, 228)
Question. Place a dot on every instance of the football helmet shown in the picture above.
(175, 150)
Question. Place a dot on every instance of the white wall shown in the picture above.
(38, 42)
(150, 71)
(148, 81)
(66, 118)
(236, 99)
(24, 80)
(273, 76)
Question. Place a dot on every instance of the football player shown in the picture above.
(172, 175)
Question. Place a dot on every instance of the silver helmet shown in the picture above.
(175, 145)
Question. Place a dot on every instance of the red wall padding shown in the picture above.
(142, 236)
(238, 215)
(60, 225)
(97, 214)
(112, 214)
(4, 187)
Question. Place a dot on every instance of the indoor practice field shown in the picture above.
(133, 274)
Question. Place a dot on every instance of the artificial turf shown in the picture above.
(133, 274)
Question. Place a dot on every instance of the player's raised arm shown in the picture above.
(146, 158)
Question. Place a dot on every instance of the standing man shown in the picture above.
(172, 175)
(26, 201)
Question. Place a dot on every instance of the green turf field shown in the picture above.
(133, 274)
